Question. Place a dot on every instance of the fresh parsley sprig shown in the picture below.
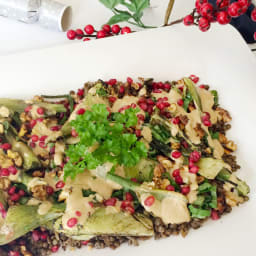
(132, 14)
(103, 139)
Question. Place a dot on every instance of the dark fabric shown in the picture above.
(243, 24)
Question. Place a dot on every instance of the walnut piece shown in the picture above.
(39, 192)
(5, 183)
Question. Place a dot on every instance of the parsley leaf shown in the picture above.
(103, 139)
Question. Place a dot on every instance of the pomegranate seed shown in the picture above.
(43, 138)
(55, 248)
(167, 87)
(40, 120)
(134, 180)
(79, 33)
(141, 117)
(194, 169)
(176, 173)
(15, 197)
(176, 154)
(106, 28)
(60, 184)
(42, 144)
(5, 172)
(12, 190)
(180, 102)
(72, 222)
(253, 14)
(6, 146)
(110, 202)
(1, 207)
(71, 34)
(188, 20)
(143, 106)
(21, 192)
(112, 82)
(52, 150)
(184, 144)
(170, 188)
(130, 209)
(203, 24)
(89, 29)
(179, 180)
(49, 190)
(185, 190)
(176, 120)
(91, 204)
(101, 34)
(234, 9)
(34, 138)
(80, 111)
(128, 196)
(121, 89)
(40, 111)
(74, 133)
(149, 201)
(138, 133)
(142, 100)
(112, 99)
(13, 253)
(202, 86)
(44, 236)
(4, 214)
(194, 156)
(150, 110)
(160, 105)
(254, 36)
(223, 18)
(194, 78)
(115, 29)
(32, 123)
(207, 123)
(80, 92)
(78, 214)
(125, 30)
(150, 102)
(85, 242)
(27, 109)
(214, 215)
(129, 80)
(55, 128)
(156, 91)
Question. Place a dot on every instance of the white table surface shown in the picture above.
(16, 36)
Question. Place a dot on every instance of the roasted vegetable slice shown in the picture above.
(102, 222)
(23, 218)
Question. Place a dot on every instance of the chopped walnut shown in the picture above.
(38, 174)
(172, 108)
(208, 150)
(175, 145)
(16, 157)
(223, 115)
(5, 161)
(164, 183)
(200, 179)
(5, 183)
(191, 107)
(39, 192)
(231, 145)
(183, 119)
(222, 138)
(165, 162)
(199, 131)
(157, 175)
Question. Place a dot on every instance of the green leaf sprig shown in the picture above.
(132, 14)
(103, 139)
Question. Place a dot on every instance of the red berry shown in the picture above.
(71, 34)
(72, 222)
(78, 214)
(199, 3)
(89, 29)
(188, 20)
(80, 92)
(143, 106)
(40, 111)
(194, 78)
(60, 184)
(80, 111)
(176, 154)
(101, 34)
(125, 30)
(176, 173)
(5, 172)
(15, 197)
(138, 133)
(214, 215)
(149, 201)
(185, 190)
(12, 190)
(234, 9)
(13, 253)
(180, 102)
(55, 248)
(115, 29)
(243, 3)
(112, 99)
(179, 180)
(222, 3)
(79, 34)
(170, 188)
(128, 196)
(129, 80)
(110, 202)
(176, 120)
(112, 82)
(203, 24)
(6, 146)
(206, 10)
(194, 169)
(106, 28)
(13, 170)
(87, 39)
(223, 18)
(253, 14)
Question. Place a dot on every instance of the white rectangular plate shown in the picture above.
(220, 57)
